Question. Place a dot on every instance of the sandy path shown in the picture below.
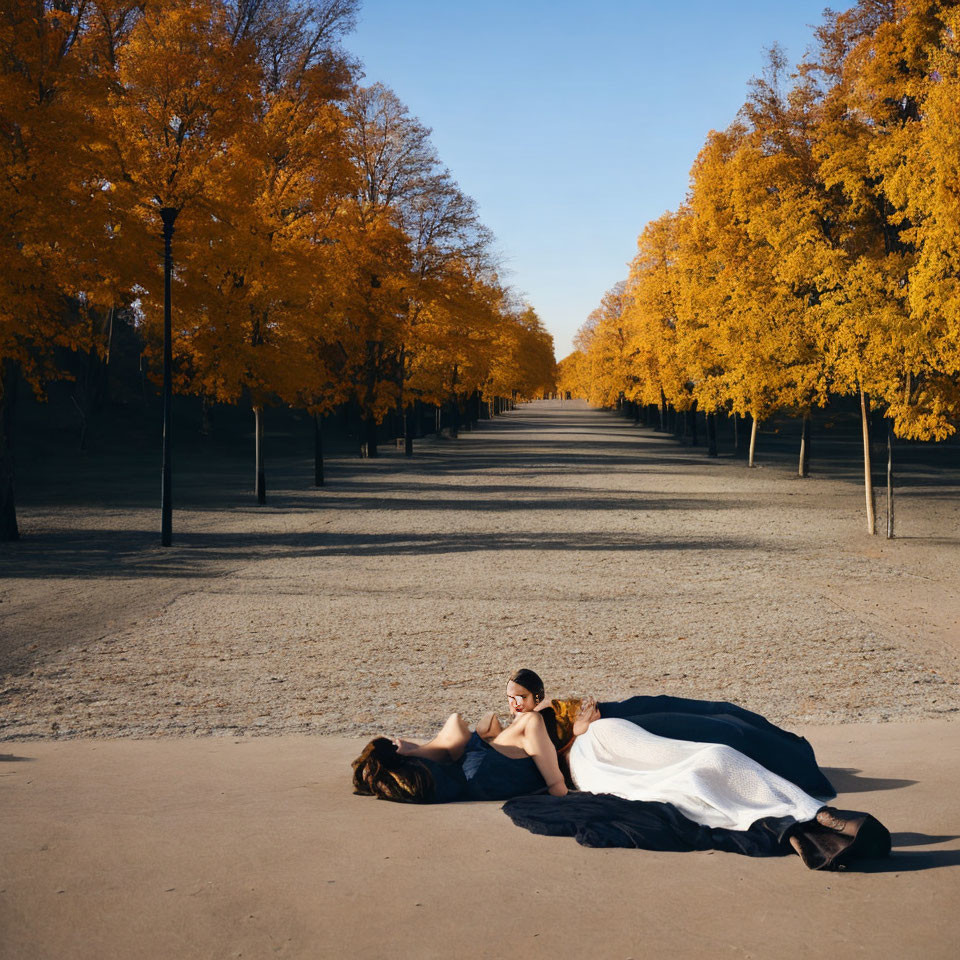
(609, 558)
(210, 848)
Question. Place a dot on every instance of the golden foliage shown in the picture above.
(816, 251)
(322, 252)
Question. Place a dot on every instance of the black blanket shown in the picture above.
(602, 820)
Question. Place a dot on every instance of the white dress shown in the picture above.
(709, 783)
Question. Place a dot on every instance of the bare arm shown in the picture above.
(447, 745)
(537, 744)
(489, 726)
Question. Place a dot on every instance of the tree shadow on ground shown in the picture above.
(80, 554)
(469, 501)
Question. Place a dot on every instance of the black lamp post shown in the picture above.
(168, 215)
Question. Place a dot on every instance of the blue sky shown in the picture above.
(572, 124)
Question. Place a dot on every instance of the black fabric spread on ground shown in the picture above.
(715, 721)
(603, 820)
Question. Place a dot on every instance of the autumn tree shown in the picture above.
(183, 98)
(523, 364)
(925, 189)
(652, 316)
(572, 377)
(403, 185)
(58, 241)
(256, 281)
(875, 64)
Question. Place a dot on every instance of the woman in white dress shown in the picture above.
(710, 784)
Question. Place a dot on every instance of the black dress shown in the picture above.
(483, 773)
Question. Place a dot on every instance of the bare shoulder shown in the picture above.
(530, 719)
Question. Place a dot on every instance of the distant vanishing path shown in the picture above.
(609, 558)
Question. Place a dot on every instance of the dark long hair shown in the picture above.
(532, 682)
(383, 773)
(529, 681)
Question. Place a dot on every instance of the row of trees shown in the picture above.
(319, 253)
(816, 252)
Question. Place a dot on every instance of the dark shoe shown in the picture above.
(819, 849)
(870, 838)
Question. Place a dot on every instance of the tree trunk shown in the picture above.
(205, 422)
(8, 399)
(736, 434)
(437, 419)
(693, 423)
(804, 468)
(409, 418)
(368, 446)
(890, 479)
(867, 469)
(142, 370)
(82, 414)
(109, 348)
(753, 442)
(317, 451)
(712, 435)
(454, 419)
(168, 215)
(260, 483)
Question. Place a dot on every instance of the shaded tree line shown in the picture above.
(318, 252)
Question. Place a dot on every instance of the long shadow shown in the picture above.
(469, 503)
(226, 484)
(75, 554)
(600, 462)
(909, 862)
(919, 839)
(13, 758)
(846, 780)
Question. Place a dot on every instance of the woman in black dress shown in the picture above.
(490, 763)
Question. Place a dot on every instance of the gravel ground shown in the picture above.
(607, 557)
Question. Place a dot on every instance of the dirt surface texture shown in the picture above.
(210, 848)
(178, 723)
(609, 558)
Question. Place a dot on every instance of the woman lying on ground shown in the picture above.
(701, 721)
(728, 771)
(639, 789)
(490, 763)
(712, 785)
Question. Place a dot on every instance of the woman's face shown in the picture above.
(521, 700)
